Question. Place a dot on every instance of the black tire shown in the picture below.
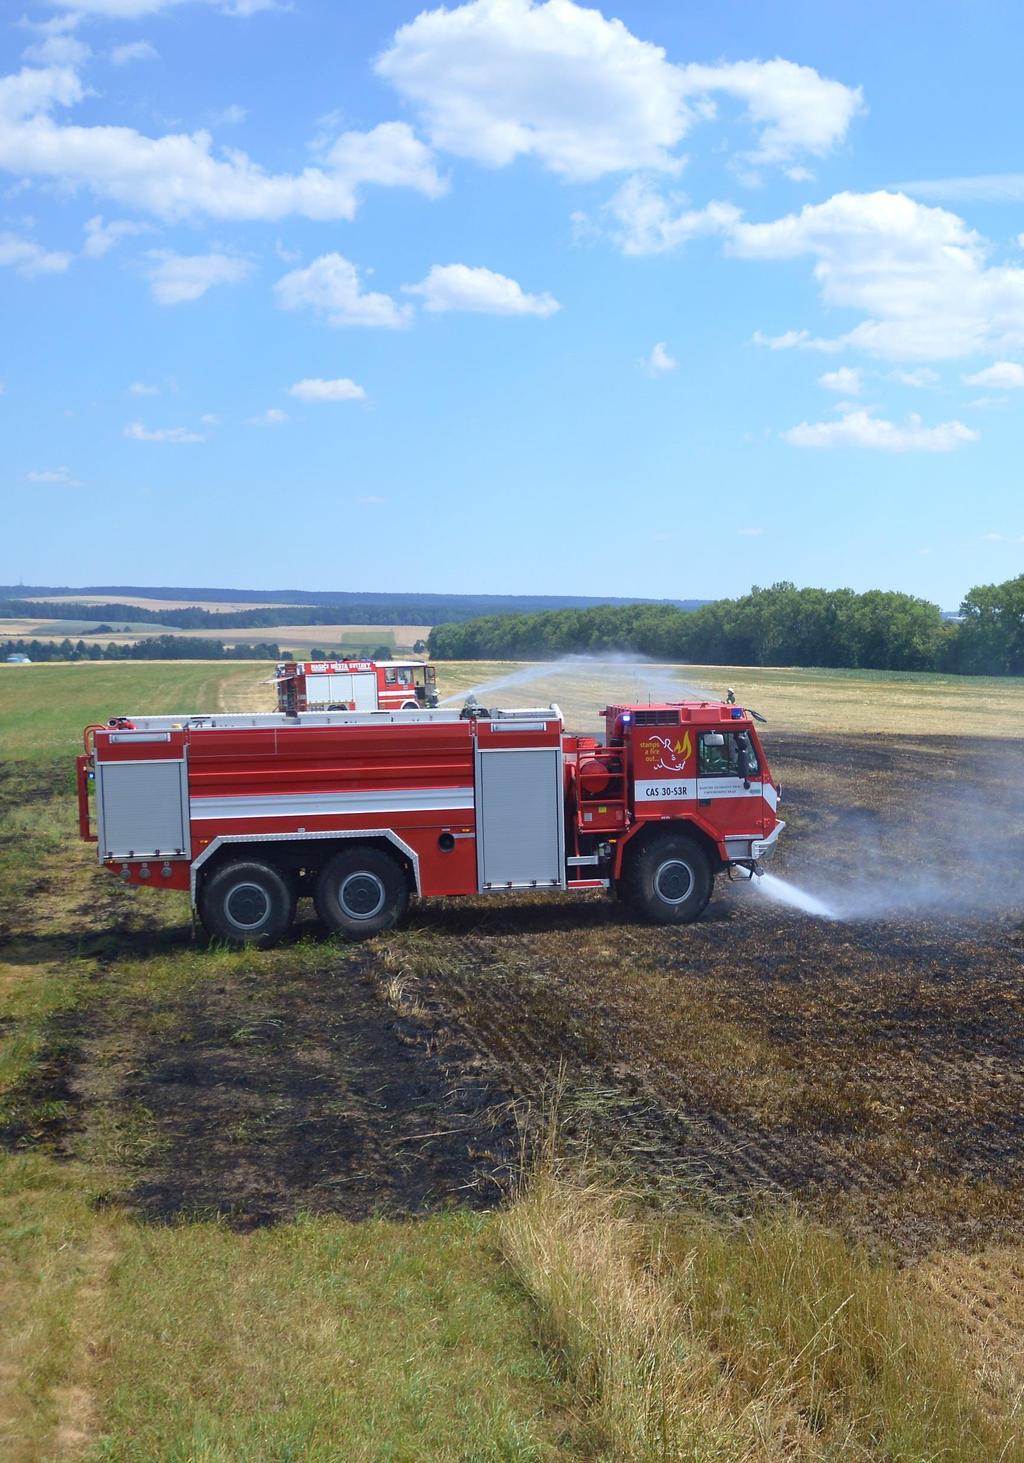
(247, 903)
(409, 706)
(668, 881)
(360, 892)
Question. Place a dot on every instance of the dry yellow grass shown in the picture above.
(792, 699)
(772, 1340)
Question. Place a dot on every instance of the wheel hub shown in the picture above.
(362, 895)
(247, 906)
(673, 881)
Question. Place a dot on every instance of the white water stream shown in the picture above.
(783, 892)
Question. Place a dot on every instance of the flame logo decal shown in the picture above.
(672, 758)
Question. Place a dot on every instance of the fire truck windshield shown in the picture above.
(721, 755)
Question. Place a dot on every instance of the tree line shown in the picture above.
(173, 647)
(157, 647)
(778, 625)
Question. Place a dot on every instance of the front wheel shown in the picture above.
(247, 903)
(669, 881)
(361, 892)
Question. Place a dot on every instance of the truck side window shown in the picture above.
(719, 755)
(390, 676)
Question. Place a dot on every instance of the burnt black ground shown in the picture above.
(312, 1096)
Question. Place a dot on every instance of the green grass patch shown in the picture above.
(314, 1340)
(320, 1339)
(43, 708)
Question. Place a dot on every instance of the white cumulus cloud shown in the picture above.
(138, 432)
(57, 48)
(795, 340)
(331, 285)
(659, 362)
(920, 276)
(136, 9)
(861, 429)
(272, 417)
(59, 477)
(101, 237)
(180, 175)
(177, 279)
(142, 388)
(463, 287)
(793, 109)
(645, 221)
(1001, 375)
(981, 188)
(314, 388)
(846, 380)
(133, 51)
(923, 378)
(499, 79)
(29, 258)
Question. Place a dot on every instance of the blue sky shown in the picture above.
(663, 299)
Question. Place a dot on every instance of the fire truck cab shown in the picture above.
(355, 685)
(365, 810)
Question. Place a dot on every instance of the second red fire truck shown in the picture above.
(366, 810)
(355, 685)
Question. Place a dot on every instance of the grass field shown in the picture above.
(873, 702)
(263, 1205)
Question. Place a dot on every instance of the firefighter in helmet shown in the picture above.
(730, 697)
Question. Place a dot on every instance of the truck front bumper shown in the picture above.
(748, 851)
(763, 848)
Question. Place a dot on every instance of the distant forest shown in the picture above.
(297, 607)
(780, 625)
(157, 647)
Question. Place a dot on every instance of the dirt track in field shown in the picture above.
(869, 1068)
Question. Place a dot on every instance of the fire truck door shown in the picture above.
(364, 690)
(142, 809)
(520, 825)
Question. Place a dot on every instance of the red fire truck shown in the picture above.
(364, 810)
(355, 685)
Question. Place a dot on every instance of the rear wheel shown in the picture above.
(361, 892)
(668, 881)
(247, 903)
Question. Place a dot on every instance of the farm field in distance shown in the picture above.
(253, 1201)
(355, 640)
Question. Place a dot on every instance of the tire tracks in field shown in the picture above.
(601, 1105)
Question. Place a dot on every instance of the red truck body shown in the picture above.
(363, 810)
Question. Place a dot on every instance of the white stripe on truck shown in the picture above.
(325, 804)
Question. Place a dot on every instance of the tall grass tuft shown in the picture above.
(691, 1339)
